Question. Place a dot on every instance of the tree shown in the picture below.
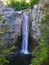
(32, 2)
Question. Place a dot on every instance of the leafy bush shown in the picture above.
(42, 51)
(5, 52)
(22, 4)
(32, 2)
(18, 5)
(3, 60)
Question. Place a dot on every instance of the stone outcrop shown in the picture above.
(12, 25)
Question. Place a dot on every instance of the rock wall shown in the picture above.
(12, 26)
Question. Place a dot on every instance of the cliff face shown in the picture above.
(13, 25)
(11, 29)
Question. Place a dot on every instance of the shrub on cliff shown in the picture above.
(22, 4)
(32, 2)
(42, 51)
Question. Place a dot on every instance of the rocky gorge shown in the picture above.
(13, 24)
(23, 34)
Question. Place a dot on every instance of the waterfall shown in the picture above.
(25, 33)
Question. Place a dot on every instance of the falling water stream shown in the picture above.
(24, 56)
(25, 33)
(25, 28)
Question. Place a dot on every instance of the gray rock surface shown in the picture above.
(13, 24)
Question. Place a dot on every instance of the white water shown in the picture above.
(25, 33)
(25, 28)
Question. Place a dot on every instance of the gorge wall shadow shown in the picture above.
(19, 58)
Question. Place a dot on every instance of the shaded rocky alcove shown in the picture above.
(19, 58)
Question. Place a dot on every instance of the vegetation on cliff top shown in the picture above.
(22, 4)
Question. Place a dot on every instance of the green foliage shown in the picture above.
(9, 50)
(22, 4)
(32, 2)
(0, 17)
(3, 50)
(45, 19)
(4, 53)
(42, 51)
(4, 28)
(16, 5)
(3, 60)
(2, 20)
